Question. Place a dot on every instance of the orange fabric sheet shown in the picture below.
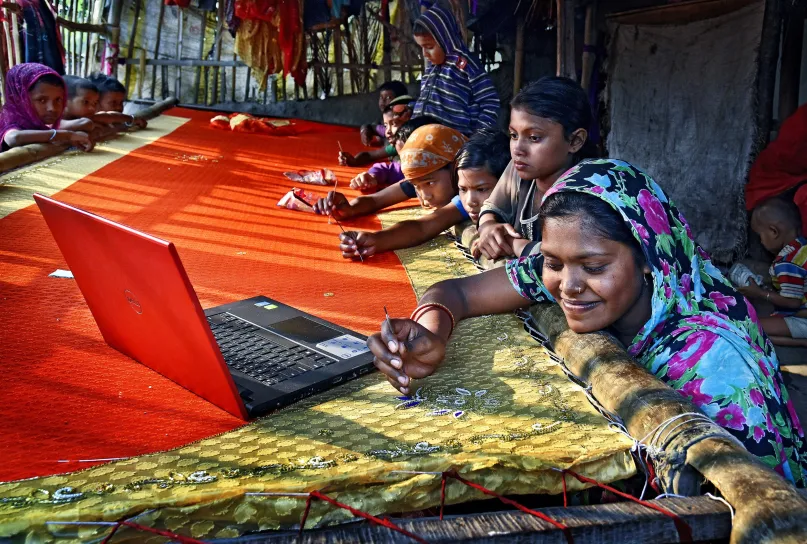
(66, 395)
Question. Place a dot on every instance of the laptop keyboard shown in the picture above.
(255, 355)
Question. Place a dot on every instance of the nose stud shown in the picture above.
(579, 290)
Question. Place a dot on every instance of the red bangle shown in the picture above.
(423, 308)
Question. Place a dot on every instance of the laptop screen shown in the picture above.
(302, 329)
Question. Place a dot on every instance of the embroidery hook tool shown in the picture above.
(340, 146)
(349, 236)
(389, 322)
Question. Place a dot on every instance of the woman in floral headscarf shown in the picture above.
(619, 256)
(34, 102)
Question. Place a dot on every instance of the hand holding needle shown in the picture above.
(349, 236)
(335, 183)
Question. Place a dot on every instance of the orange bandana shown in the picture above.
(429, 149)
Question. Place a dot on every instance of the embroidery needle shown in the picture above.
(349, 236)
(335, 183)
(389, 323)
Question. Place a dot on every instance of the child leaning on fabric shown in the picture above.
(337, 204)
(778, 224)
(476, 170)
(384, 174)
(455, 87)
(35, 101)
(112, 96)
(549, 123)
(373, 135)
(396, 114)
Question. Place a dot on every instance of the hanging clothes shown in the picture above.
(43, 41)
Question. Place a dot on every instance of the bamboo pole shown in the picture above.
(97, 14)
(73, 16)
(130, 47)
(17, 49)
(248, 83)
(220, 73)
(768, 509)
(518, 61)
(157, 47)
(142, 73)
(85, 45)
(387, 46)
(233, 80)
(589, 43)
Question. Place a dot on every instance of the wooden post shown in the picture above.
(249, 83)
(766, 78)
(790, 71)
(141, 76)
(73, 16)
(337, 51)
(197, 83)
(217, 51)
(178, 80)
(110, 63)
(364, 44)
(130, 47)
(157, 47)
(387, 46)
(518, 60)
(233, 81)
(97, 15)
(768, 508)
(315, 60)
(565, 38)
(589, 43)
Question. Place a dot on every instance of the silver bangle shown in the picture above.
(130, 123)
(53, 135)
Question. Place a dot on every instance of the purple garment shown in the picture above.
(381, 130)
(18, 112)
(386, 173)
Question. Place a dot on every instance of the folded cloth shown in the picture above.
(299, 200)
(323, 176)
(242, 122)
(742, 276)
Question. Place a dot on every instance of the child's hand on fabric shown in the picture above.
(346, 159)
(404, 351)
(353, 243)
(82, 140)
(496, 240)
(364, 182)
(334, 204)
(140, 123)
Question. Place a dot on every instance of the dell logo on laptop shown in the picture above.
(133, 302)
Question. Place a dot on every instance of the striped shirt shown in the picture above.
(458, 92)
(788, 271)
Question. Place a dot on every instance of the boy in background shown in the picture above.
(373, 135)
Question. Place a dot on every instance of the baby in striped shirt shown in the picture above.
(778, 223)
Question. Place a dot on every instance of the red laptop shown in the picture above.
(247, 357)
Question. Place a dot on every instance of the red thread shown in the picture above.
(383, 522)
(442, 494)
(305, 517)
(683, 528)
(167, 534)
(565, 499)
(651, 473)
(513, 503)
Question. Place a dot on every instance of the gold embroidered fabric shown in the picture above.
(499, 411)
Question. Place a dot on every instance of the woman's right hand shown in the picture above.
(82, 140)
(352, 244)
(334, 204)
(496, 240)
(404, 351)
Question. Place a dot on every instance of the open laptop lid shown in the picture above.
(142, 300)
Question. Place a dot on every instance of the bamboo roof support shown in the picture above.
(589, 43)
(565, 39)
(767, 507)
(518, 61)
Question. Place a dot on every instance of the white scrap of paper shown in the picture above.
(61, 274)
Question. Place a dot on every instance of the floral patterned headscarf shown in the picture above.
(703, 337)
(18, 111)
(428, 149)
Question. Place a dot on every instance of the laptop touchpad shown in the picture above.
(302, 329)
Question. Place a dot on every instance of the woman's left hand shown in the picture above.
(753, 291)
(405, 350)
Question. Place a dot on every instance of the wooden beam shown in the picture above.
(790, 71)
(110, 62)
(619, 523)
(83, 27)
(589, 43)
(565, 65)
(387, 45)
(338, 61)
(518, 60)
(678, 13)
(197, 78)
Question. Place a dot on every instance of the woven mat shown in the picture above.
(499, 410)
